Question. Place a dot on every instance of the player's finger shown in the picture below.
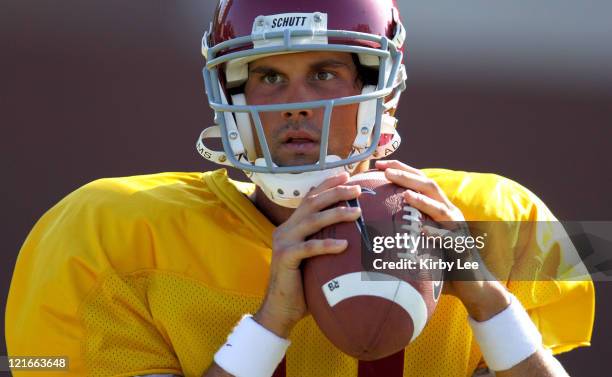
(416, 182)
(438, 211)
(294, 254)
(317, 202)
(329, 183)
(395, 164)
(316, 221)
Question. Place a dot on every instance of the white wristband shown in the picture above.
(251, 350)
(507, 338)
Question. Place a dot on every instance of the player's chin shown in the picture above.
(297, 159)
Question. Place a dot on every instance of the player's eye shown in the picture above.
(272, 78)
(324, 76)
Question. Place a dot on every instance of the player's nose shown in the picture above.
(296, 93)
(297, 114)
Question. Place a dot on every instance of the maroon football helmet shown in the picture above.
(246, 30)
(234, 19)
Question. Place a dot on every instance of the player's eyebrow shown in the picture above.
(327, 63)
(264, 70)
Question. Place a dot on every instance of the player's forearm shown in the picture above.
(216, 371)
(241, 354)
(491, 298)
(485, 298)
(540, 364)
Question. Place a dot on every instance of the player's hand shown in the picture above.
(284, 303)
(482, 296)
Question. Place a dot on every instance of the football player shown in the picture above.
(196, 274)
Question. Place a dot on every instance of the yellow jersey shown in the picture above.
(149, 274)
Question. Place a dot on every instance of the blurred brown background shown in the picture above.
(112, 88)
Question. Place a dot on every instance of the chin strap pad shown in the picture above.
(243, 123)
(366, 117)
(218, 157)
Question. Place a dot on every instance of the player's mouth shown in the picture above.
(300, 141)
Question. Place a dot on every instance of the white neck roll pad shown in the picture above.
(288, 190)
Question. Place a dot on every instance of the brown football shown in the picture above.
(370, 313)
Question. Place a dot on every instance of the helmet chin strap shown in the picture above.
(288, 189)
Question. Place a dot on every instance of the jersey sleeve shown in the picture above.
(550, 279)
(67, 299)
(529, 250)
